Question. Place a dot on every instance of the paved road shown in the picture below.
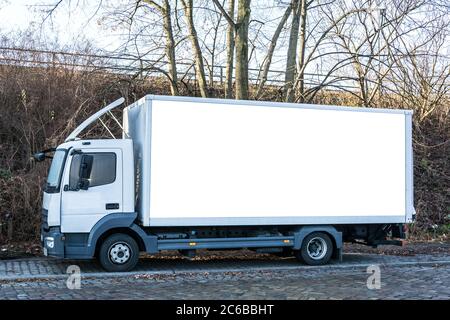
(248, 277)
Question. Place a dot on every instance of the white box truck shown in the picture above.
(192, 173)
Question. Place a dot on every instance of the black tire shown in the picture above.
(317, 249)
(125, 255)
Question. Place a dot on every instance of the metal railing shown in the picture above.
(136, 65)
(132, 65)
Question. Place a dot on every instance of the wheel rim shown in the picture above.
(119, 253)
(317, 248)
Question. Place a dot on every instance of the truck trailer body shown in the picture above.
(193, 173)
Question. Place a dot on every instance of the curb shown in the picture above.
(96, 275)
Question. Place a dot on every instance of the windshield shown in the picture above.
(54, 174)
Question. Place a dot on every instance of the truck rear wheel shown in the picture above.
(119, 252)
(316, 249)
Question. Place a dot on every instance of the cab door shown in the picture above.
(86, 200)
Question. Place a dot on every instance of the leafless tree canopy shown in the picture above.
(364, 47)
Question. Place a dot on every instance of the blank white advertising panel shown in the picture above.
(245, 164)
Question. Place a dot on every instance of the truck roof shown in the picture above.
(269, 104)
(96, 143)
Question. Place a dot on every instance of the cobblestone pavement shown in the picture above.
(257, 277)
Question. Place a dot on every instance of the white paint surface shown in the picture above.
(223, 161)
(81, 210)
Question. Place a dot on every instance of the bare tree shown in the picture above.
(292, 52)
(212, 45)
(198, 57)
(314, 54)
(422, 77)
(230, 52)
(302, 49)
(243, 18)
(268, 58)
(165, 12)
(370, 46)
(352, 46)
(241, 44)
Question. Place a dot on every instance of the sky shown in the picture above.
(70, 23)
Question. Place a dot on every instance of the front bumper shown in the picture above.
(52, 241)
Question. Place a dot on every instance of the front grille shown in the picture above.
(45, 219)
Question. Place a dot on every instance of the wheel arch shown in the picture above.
(301, 233)
(124, 230)
(116, 223)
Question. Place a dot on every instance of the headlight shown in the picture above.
(49, 242)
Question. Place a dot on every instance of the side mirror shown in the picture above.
(39, 156)
(42, 155)
(85, 171)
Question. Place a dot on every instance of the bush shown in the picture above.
(40, 106)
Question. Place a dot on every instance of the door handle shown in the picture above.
(112, 206)
(68, 188)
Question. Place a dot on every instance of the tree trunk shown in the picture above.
(198, 57)
(170, 48)
(292, 53)
(301, 51)
(269, 55)
(242, 22)
(230, 54)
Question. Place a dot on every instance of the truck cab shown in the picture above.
(88, 181)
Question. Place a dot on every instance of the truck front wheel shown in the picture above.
(119, 252)
(316, 249)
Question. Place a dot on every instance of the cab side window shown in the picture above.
(103, 169)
